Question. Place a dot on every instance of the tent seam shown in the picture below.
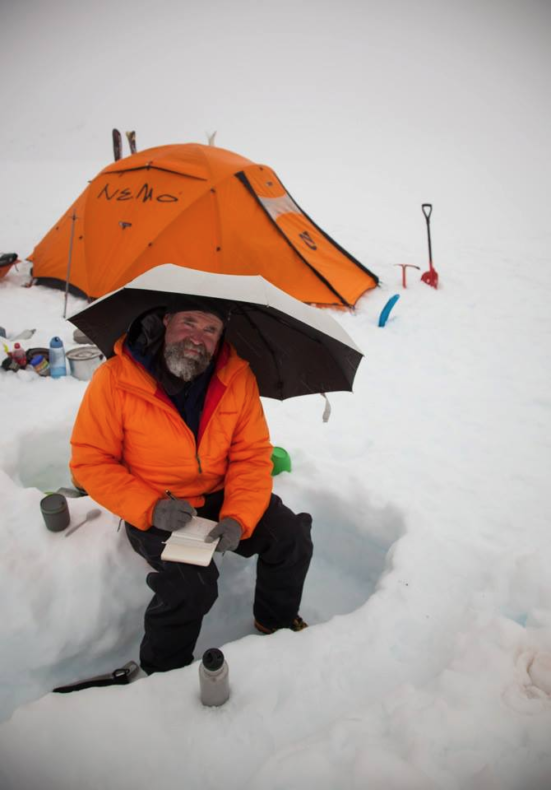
(246, 183)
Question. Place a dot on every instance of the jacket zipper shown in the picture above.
(173, 411)
(139, 391)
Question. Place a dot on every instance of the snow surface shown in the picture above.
(428, 661)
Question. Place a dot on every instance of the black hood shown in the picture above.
(146, 333)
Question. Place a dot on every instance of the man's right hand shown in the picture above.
(172, 514)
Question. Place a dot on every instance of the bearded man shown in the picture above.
(171, 427)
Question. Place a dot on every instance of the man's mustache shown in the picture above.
(187, 345)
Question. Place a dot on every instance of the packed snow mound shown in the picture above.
(428, 608)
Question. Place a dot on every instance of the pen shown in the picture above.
(171, 495)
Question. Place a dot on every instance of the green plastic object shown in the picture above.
(281, 461)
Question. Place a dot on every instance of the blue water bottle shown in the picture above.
(58, 365)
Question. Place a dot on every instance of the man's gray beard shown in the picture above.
(185, 368)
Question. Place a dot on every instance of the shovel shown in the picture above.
(430, 277)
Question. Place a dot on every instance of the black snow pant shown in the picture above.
(185, 593)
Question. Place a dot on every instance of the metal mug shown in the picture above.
(55, 512)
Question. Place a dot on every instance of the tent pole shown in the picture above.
(73, 218)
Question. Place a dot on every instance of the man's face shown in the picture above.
(191, 338)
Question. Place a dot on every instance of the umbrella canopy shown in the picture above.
(293, 349)
(200, 207)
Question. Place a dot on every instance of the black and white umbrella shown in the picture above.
(292, 348)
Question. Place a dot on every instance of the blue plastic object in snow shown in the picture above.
(58, 365)
(385, 312)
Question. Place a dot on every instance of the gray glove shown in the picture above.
(172, 514)
(229, 531)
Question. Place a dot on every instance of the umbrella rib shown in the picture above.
(268, 346)
(296, 328)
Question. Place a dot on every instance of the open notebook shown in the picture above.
(188, 544)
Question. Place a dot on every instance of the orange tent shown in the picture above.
(203, 208)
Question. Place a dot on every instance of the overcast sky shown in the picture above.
(392, 103)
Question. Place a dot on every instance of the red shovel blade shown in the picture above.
(430, 278)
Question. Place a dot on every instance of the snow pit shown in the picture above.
(76, 605)
(42, 459)
(343, 574)
(540, 672)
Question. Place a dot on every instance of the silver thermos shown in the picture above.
(214, 678)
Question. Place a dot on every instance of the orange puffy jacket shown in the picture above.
(130, 444)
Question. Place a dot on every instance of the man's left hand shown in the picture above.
(229, 531)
